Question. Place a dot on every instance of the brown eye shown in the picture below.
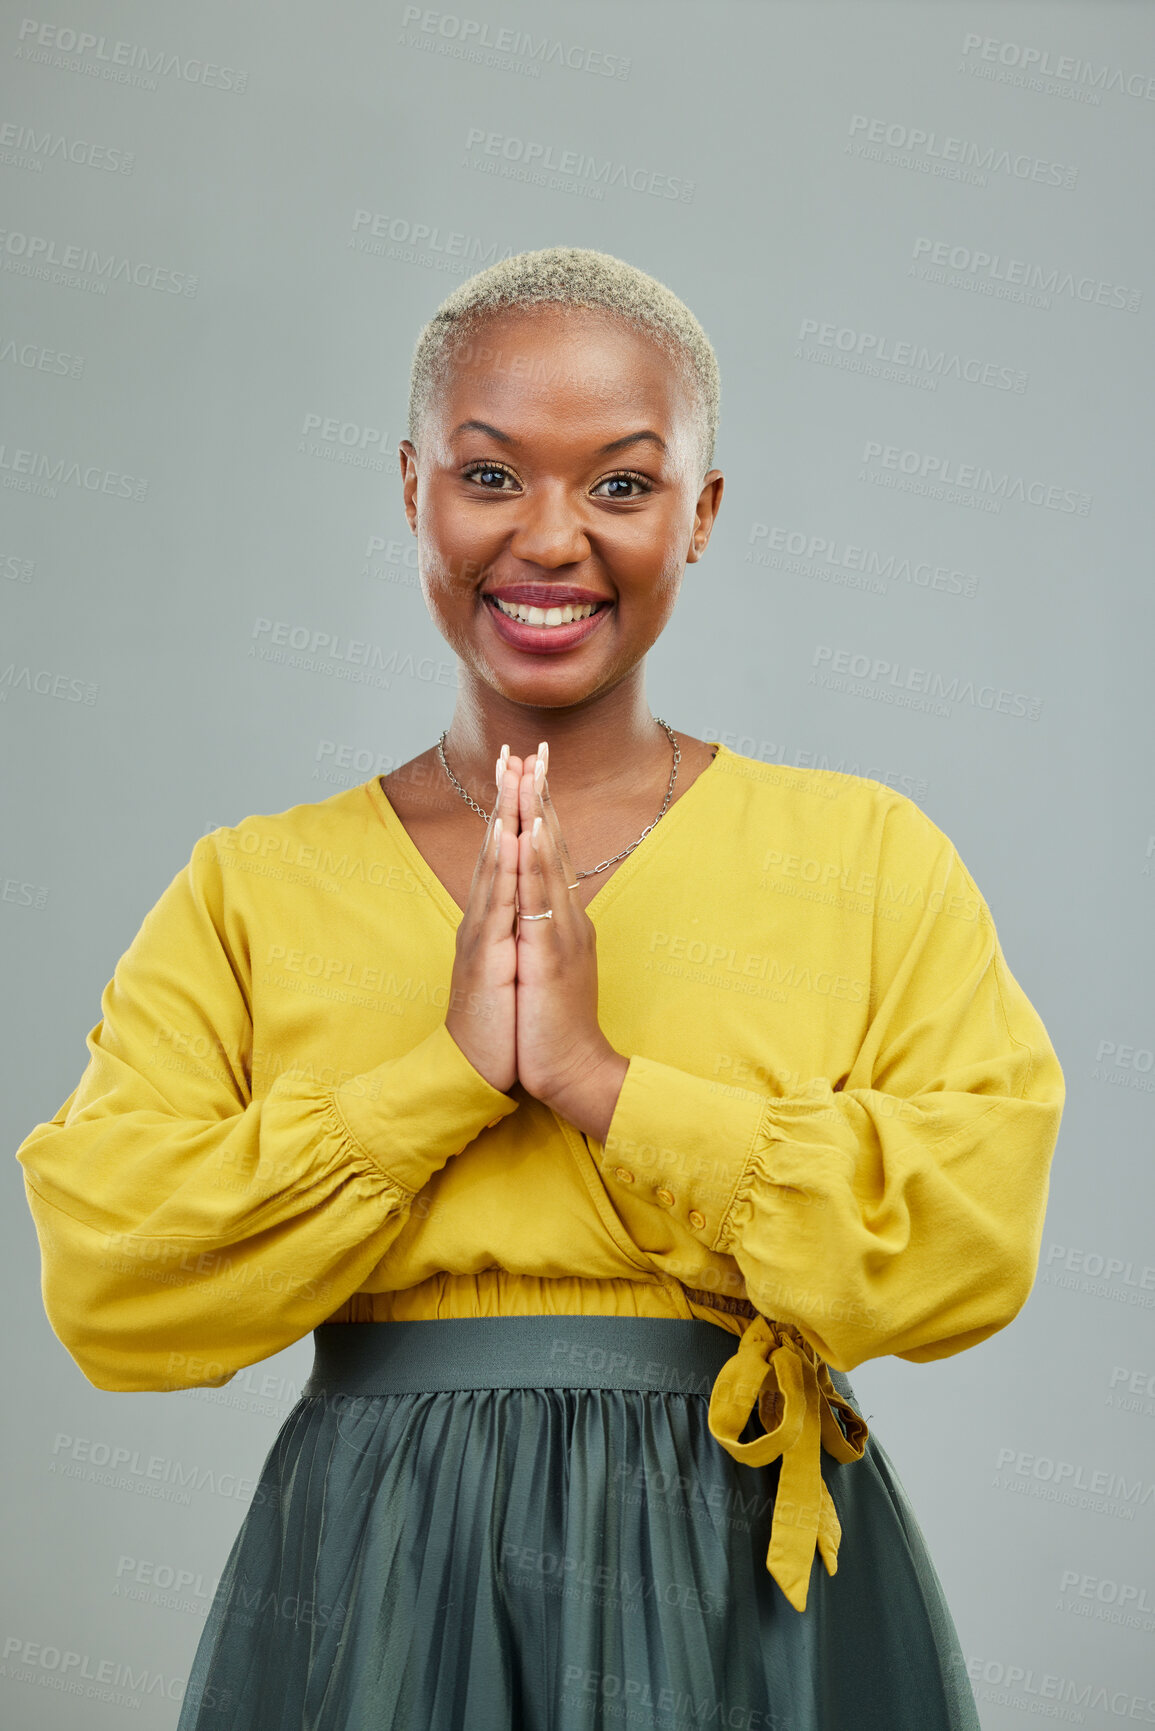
(487, 474)
(627, 479)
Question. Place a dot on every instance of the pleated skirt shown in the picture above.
(524, 1524)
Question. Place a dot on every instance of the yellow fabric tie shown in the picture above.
(776, 1368)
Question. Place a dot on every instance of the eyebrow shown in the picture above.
(508, 439)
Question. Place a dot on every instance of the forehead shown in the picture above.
(538, 365)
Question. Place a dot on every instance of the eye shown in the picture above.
(628, 477)
(490, 477)
(486, 472)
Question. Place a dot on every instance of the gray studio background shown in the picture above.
(919, 236)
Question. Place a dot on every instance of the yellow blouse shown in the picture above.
(833, 1138)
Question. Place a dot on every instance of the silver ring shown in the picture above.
(548, 915)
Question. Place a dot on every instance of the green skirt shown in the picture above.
(524, 1524)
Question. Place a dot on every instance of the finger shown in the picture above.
(538, 803)
(550, 813)
(507, 778)
(532, 897)
(553, 868)
(506, 774)
(502, 902)
(501, 855)
(489, 858)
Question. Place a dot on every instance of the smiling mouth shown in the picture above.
(547, 617)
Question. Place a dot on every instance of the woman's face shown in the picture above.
(558, 467)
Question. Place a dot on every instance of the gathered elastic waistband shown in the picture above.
(670, 1354)
(476, 1352)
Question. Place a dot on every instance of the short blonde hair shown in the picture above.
(579, 277)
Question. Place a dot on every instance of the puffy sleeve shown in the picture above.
(187, 1229)
(896, 1207)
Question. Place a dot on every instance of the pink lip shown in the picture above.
(543, 639)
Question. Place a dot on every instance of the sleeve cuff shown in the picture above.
(412, 1114)
(684, 1144)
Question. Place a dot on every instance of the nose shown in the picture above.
(549, 531)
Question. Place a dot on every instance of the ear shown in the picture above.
(705, 512)
(407, 452)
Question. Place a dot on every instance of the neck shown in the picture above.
(611, 740)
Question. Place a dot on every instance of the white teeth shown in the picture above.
(546, 616)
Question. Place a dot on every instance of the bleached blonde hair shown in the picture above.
(579, 277)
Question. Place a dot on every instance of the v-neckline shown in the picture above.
(438, 893)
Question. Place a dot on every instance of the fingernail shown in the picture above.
(497, 829)
(535, 832)
(543, 753)
(538, 775)
(504, 753)
(499, 772)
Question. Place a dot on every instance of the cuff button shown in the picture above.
(697, 1221)
(621, 1173)
(664, 1196)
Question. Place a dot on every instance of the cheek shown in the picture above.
(453, 547)
(449, 566)
(652, 568)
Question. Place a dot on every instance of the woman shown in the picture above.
(634, 1160)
